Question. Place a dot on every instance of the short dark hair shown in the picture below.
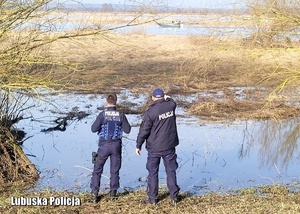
(111, 99)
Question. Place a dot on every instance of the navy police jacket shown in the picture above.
(158, 127)
(110, 124)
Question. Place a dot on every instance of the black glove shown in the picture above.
(94, 157)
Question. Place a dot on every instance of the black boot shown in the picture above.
(175, 200)
(113, 194)
(148, 201)
(94, 197)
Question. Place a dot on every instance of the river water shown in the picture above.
(212, 156)
(142, 24)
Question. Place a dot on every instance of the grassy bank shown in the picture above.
(188, 65)
(268, 199)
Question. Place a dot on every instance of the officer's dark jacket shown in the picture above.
(158, 127)
(110, 124)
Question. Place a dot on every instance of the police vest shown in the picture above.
(111, 128)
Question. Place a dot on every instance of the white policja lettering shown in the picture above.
(166, 115)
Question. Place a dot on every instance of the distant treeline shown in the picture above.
(108, 7)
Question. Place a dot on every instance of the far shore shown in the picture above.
(233, 20)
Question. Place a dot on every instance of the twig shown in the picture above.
(277, 169)
(83, 167)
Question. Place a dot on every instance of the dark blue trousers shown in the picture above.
(169, 159)
(114, 151)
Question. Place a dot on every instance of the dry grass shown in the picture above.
(267, 199)
(127, 61)
(185, 65)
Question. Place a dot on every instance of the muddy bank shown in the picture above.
(15, 166)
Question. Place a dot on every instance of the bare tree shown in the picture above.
(28, 28)
(278, 21)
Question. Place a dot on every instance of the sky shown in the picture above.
(174, 3)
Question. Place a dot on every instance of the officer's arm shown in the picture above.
(126, 127)
(96, 126)
(144, 131)
(169, 99)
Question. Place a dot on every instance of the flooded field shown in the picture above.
(212, 156)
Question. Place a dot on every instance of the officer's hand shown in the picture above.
(138, 151)
(167, 97)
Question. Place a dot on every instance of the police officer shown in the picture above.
(109, 125)
(159, 130)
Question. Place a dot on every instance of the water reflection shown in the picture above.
(212, 157)
(279, 143)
